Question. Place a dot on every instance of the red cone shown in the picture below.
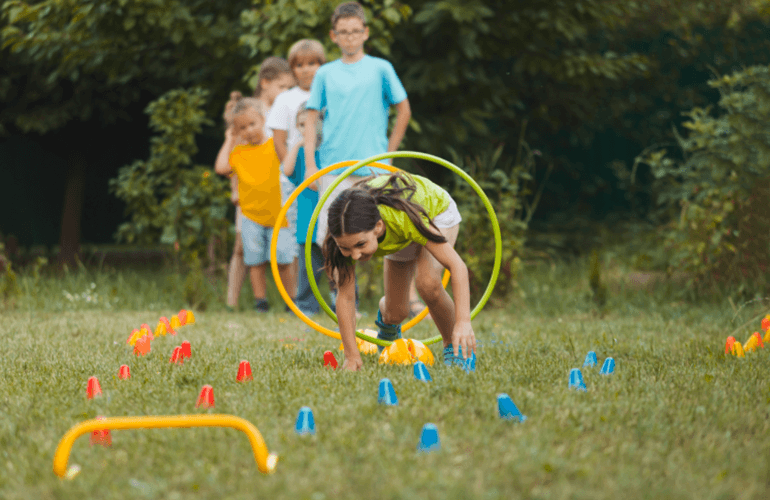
(93, 388)
(186, 351)
(124, 373)
(244, 372)
(102, 436)
(206, 397)
(176, 356)
(330, 360)
(759, 340)
(729, 344)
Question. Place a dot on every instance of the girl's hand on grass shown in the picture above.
(353, 364)
(463, 336)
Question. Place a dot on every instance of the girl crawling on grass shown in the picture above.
(413, 223)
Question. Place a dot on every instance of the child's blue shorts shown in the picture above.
(256, 243)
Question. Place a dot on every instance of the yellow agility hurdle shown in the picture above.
(266, 462)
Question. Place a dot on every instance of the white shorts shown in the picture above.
(446, 219)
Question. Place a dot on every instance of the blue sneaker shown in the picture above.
(386, 331)
(469, 365)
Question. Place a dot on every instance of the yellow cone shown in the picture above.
(738, 350)
(175, 323)
(160, 329)
(406, 352)
(365, 347)
(751, 344)
(190, 317)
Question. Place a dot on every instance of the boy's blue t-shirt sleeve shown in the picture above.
(394, 89)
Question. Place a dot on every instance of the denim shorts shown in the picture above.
(256, 243)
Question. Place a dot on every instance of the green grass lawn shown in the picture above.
(678, 419)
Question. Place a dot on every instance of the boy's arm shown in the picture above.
(311, 120)
(346, 315)
(222, 165)
(234, 197)
(279, 140)
(291, 160)
(403, 114)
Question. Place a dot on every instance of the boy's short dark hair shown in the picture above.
(348, 9)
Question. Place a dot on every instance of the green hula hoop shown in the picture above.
(421, 156)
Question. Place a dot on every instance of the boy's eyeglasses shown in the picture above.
(349, 33)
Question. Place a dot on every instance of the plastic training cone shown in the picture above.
(305, 422)
(765, 325)
(160, 329)
(406, 352)
(101, 436)
(93, 388)
(136, 334)
(761, 343)
(330, 360)
(186, 349)
(176, 356)
(737, 350)
(751, 344)
(608, 368)
(142, 346)
(429, 440)
(364, 347)
(244, 372)
(729, 345)
(124, 373)
(507, 410)
(206, 397)
(190, 317)
(590, 359)
(182, 317)
(387, 394)
(576, 380)
(174, 322)
(421, 372)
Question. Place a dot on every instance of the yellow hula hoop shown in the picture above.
(266, 462)
(274, 254)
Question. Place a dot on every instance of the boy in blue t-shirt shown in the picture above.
(355, 94)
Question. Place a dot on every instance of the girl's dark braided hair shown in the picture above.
(355, 211)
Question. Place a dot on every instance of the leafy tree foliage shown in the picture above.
(169, 199)
(716, 196)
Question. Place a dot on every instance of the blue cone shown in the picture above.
(590, 359)
(429, 439)
(421, 372)
(576, 380)
(305, 421)
(507, 409)
(387, 394)
(608, 367)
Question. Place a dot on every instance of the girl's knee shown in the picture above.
(393, 313)
(429, 289)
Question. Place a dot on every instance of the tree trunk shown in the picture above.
(69, 240)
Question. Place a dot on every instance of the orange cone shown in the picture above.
(330, 360)
(186, 350)
(102, 436)
(206, 397)
(765, 325)
(759, 340)
(124, 373)
(93, 388)
(244, 372)
(176, 356)
(142, 346)
(182, 317)
(729, 344)
(135, 335)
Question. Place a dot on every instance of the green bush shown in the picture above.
(169, 200)
(508, 185)
(715, 199)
